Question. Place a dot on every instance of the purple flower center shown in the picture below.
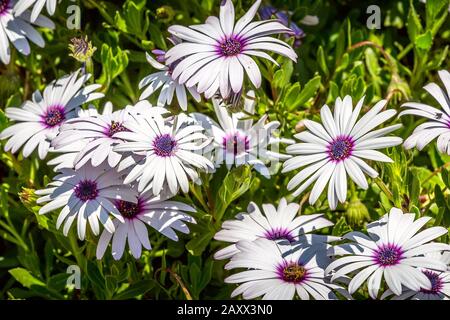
(4, 6)
(236, 143)
(230, 46)
(115, 127)
(341, 148)
(127, 209)
(388, 255)
(279, 234)
(53, 116)
(86, 190)
(436, 283)
(292, 272)
(164, 145)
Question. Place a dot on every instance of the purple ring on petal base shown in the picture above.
(86, 190)
(388, 255)
(164, 145)
(129, 210)
(279, 234)
(236, 143)
(230, 46)
(53, 116)
(292, 272)
(340, 148)
(5, 7)
(436, 283)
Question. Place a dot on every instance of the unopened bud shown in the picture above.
(356, 212)
(81, 49)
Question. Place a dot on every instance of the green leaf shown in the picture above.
(134, 290)
(414, 26)
(309, 91)
(321, 59)
(25, 278)
(424, 41)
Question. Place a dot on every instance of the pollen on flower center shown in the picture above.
(164, 145)
(4, 6)
(292, 272)
(230, 47)
(236, 143)
(127, 209)
(86, 190)
(279, 234)
(388, 255)
(115, 127)
(341, 148)
(436, 283)
(53, 116)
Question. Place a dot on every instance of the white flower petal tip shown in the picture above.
(437, 125)
(394, 250)
(273, 223)
(158, 212)
(216, 56)
(335, 149)
(38, 121)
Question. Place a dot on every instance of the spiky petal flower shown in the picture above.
(40, 119)
(280, 223)
(278, 272)
(99, 130)
(239, 141)
(163, 79)
(169, 147)
(438, 125)
(392, 250)
(440, 283)
(335, 148)
(87, 195)
(159, 212)
(17, 28)
(215, 54)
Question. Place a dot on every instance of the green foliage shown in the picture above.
(339, 56)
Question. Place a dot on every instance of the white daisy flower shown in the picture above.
(17, 28)
(438, 125)
(38, 5)
(280, 223)
(68, 153)
(393, 250)
(88, 195)
(169, 148)
(100, 131)
(40, 119)
(162, 214)
(278, 272)
(334, 148)
(440, 283)
(217, 53)
(163, 79)
(238, 141)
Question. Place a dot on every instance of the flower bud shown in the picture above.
(356, 212)
(81, 49)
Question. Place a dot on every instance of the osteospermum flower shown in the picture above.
(238, 141)
(333, 149)
(438, 125)
(393, 250)
(17, 28)
(40, 119)
(163, 79)
(440, 283)
(100, 131)
(87, 195)
(162, 214)
(169, 150)
(38, 5)
(280, 223)
(215, 54)
(278, 272)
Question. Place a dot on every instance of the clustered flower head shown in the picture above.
(118, 171)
